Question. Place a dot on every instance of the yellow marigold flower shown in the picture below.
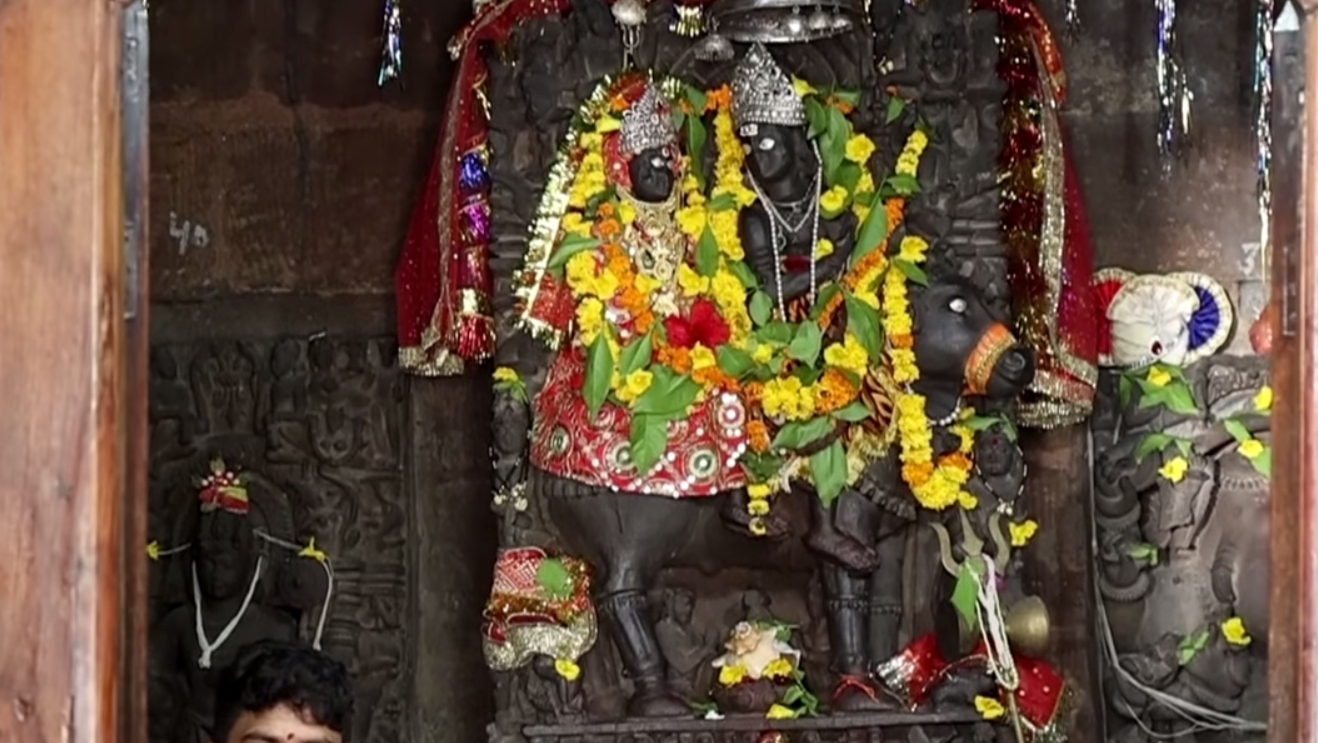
(605, 285)
(592, 141)
(647, 284)
(727, 289)
(759, 507)
(848, 355)
(505, 374)
(904, 368)
(778, 668)
(802, 87)
(989, 708)
(758, 527)
(606, 124)
(691, 220)
(568, 669)
(1174, 470)
(918, 141)
(1159, 377)
(1022, 533)
(626, 212)
(1233, 631)
(691, 282)
(780, 712)
(967, 500)
(635, 384)
(859, 148)
(758, 490)
(913, 249)
(153, 550)
(763, 353)
(868, 296)
(702, 357)
(739, 319)
(1251, 449)
(824, 248)
(580, 272)
(866, 183)
(575, 224)
(860, 209)
(731, 675)
(1263, 400)
(724, 226)
(590, 319)
(834, 200)
(787, 398)
(907, 164)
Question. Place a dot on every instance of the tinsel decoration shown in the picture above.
(1264, 27)
(688, 19)
(1073, 18)
(391, 62)
(1174, 96)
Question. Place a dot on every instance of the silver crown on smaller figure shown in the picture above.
(648, 123)
(763, 94)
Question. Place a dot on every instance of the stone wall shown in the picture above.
(282, 180)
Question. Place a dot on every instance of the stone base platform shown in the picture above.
(878, 727)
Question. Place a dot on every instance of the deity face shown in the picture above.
(994, 453)
(951, 322)
(653, 173)
(684, 606)
(774, 152)
(226, 554)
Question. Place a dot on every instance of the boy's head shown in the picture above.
(277, 692)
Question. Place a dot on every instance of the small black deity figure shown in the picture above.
(689, 651)
(194, 641)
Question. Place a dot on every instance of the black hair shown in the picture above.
(269, 673)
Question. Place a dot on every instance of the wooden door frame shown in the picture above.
(72, 482)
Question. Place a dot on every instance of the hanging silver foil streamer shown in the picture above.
(1072, 18)
(1263, 30)
(1174, 95)
(391, 62)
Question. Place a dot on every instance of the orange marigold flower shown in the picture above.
(643, 320)
(833, 391)
(720, 98)
(902, 340)
(679, 359)
(608, 228)
(619, 103)
(957, 460)
(917, 473)
(754, 393)
(758, 433)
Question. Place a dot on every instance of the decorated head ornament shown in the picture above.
(223, 490)
(763, 94)
(648, 123)
(1177, 318)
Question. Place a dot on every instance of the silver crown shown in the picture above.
(786, 21)
(763, 94)
(647, 123)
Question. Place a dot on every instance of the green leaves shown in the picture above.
(1263, 462)
(873, 230)
(853, 413)
(1237, 430)
(833, 144)
(863, 322)
(569, 246)
(1190, 646)
(913, 273)
(669, 394)
(744, 274)
(1156, 442)
(554, 578)
(805, 346)
(636, 355)
(816, 116)
(965, 594)
(649, 438)
(1161, 384)
(722, 203)
(695, 146)
(1143, 552)
(735, 361)
(901, 184)
(707, 253)
(761, 308)
(599, 373)
(799, 434)
(980, 423)
(828, 469)
(896, 105)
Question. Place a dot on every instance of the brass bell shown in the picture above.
(1028, 626)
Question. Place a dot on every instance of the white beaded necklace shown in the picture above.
(780, 229)
(207, 647)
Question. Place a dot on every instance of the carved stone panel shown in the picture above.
(319, 421)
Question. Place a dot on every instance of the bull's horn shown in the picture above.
(945, 549)
(1000, 541)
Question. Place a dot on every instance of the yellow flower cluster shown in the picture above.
(1174, 469)
(908, 162)
(590, 179)
(898, 328)
(586, 278)
(1263, 400)
(590, 319)
(731, 675)
(849, 355)
(859, 149)
(1022, 533)
(788, 398)
(633, 385)
(834, 200)
(1234, 632)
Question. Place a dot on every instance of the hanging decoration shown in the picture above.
(1073, 18)
(1263, 30)
(1174, 95)
(688, 18)
(630, 16)
(443, 281)
(391, 62)
(1045, 223)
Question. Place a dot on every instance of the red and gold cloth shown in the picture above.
(914, 673)
(443, 279)
(1050, 257)
(700, 458)
(518, 598)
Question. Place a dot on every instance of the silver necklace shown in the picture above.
(780, 229)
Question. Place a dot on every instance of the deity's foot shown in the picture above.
(657, 703)
(861, 694)
(845, 551)
(736, 517)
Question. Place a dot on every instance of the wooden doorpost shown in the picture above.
(65, 508)
(1293, 636)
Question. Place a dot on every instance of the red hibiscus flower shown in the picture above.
(702, 325)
